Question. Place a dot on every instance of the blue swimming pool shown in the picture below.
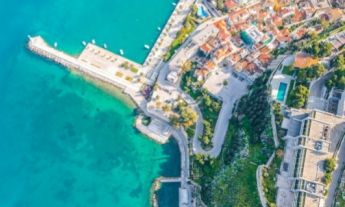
(201, 12)
(281, 91)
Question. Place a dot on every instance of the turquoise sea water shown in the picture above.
(64, 141)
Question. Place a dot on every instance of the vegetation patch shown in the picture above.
(288, 70)
(129, 79)
(146, 120)
(134, 70)
(119, 74)
(288, 101)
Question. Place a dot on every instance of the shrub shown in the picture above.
(119, 74)
(129, 79)
(134, 70)
(327, 178)
(330, 164)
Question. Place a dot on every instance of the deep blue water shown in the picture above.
(66, 141)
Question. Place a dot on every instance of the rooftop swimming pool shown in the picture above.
(281, 91)
(201, 12)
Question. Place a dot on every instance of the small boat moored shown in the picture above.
(55, 44)
(105, 46)
(84, 43)
(93, 42)
(174, 3)
(147, 47)
(121, 52)
(159, 28)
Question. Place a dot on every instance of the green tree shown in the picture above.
(216, 106)
(125, 65)
(327, 178)
(299, 96)
(207, 100)
(318, 70)
(301, 75)
(166, 108)
(324, 24)
(179, 97)
(325, 49)
(315, 49)
(220, 4)
(339, 61)
(341, 83)
(330, 164)
(312, 34)
(188, 116)
(225, 82)
(200, 158)
(186, 66)
(174, 120)
(194, 9)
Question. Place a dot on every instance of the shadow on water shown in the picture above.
(172, 166)
(167, 195)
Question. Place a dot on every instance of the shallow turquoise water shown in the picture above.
(65, 142)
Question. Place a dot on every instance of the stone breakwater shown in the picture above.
(73, 66)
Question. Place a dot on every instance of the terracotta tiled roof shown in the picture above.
(241, 26)
(304, 60)
(206, 47)
(240, 65)
(264, 50)
(283, 39)
(251, 68)
(237, 39)
(301, 32)
(264, 59)
(262, 15)
(238, 16)
(277, 21)
(209, 64)
(285, 32)
(225, 34)
(221, 25)
(230, 4)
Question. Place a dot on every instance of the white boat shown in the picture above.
(105, 46)
(121, 52)
(174, 3)
(147, 47)
(93, 41)
(55, 44)
(84, 43)
(159, 28)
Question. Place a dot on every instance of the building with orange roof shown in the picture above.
(285, 32)
(278, 21)
(221, 25)
(224, 35)
(303, 60)
(239, 16)
(220, 54)
(230, 5)
(299, 33)
(264, 60)
(262, 15)
(283, 41)
(298, 16)
(201, 74)
(206, 48)
(234, 58)
(286, 12)
(239, 66)
(209, 65)
(309, 12)
(241, 26)
(250, 69)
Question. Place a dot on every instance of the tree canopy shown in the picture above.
(299, 96)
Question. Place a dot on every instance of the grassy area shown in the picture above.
(286, 71)
(190, 132)
(289, 100)
(129, 79)
(269, 175)
(119, 74)
(134, 70)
